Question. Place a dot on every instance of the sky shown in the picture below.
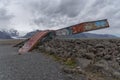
(28, 15)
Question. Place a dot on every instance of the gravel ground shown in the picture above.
(32, 66)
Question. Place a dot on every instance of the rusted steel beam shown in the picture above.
(83, 27)
(33, 41)
(50, 34)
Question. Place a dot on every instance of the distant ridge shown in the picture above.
(80, 35)
(30, 34)
(90, 35)
(4, 35)
(9, 34)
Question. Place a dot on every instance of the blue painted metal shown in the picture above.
(101, 23)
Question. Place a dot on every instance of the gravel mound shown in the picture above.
(99, 58)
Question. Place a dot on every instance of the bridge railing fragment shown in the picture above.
(47, 35)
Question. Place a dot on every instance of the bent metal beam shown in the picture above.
(75, 29)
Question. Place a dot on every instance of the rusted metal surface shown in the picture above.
(75, 29)
(78, 28)
(83, 27)
(64, 31)
(30, 44)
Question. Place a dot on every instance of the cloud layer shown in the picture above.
(27, 15)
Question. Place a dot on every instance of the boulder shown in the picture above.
(83, 63)
(99, 46)
(108, 57)
(89, 55)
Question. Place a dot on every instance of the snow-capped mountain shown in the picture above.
(9, 34)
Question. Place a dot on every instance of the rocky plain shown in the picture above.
(86, 59)
(62, 59)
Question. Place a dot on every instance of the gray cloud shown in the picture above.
(4, 15)
(4, 18)
(71, 8)
(54, 14)
(49, 12)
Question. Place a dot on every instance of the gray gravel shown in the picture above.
(97, 56)
(30, 66)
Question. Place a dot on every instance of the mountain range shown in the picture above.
(11, 34)
(90, 35)
(80, 35)
(4, 35)
(8, 34)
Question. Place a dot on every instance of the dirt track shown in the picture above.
(30, 66)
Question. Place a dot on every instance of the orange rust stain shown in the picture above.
(78, 28)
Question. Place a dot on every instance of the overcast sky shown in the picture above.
(28, 15)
